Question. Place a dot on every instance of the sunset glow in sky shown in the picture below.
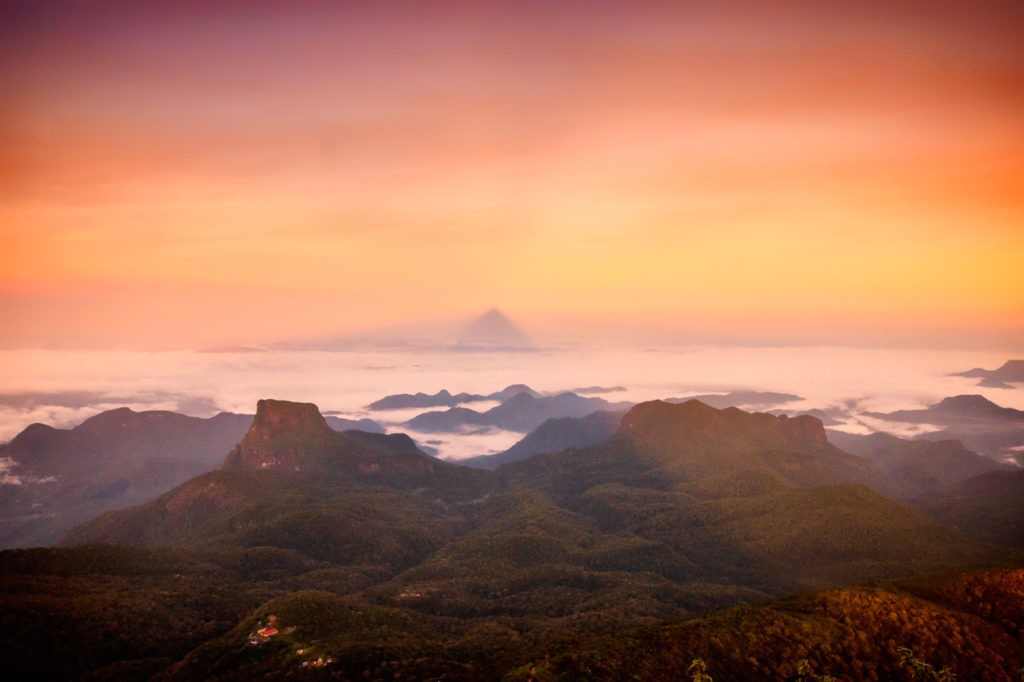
(244, 172)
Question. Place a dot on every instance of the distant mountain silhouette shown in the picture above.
(115, 459)
(597, 390)
(444, 398)
(958, 408)
(983, 426)
(1012, 372)
(343, 424)
(554, 435)
(493, 330)
(522, 412)
(917, 467)
(512, 391)
(751, 400)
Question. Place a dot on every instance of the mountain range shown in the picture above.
(443, 398)
(60, 477)
(750, 400)
(553, 435)
(982, 426)
(524, 411)
(316, 553)
(1011, 372)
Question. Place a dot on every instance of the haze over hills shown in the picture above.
(980, 424)
(553, 435)
(917, 467)
(973, 494)
(521, 412)
(291, 462)
(685, 508)
(444, 398)
(986, 507)
(685, 455)
(357, 548)
(750, 400)
(802, 215)
(1011, 372)
(115, 459)
(56, 478)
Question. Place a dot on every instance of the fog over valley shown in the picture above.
(512, 341)
(61, 388)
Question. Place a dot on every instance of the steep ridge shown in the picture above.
(554, 435)
(667, 445)
(283, 436)
(112, 460)
(290, 470)
(983, 426)
(751, 499)
(917, 467)
(294, 437)
(522, 412)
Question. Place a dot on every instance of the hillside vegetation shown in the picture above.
(356, 556)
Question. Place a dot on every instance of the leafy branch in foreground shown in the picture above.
(922, 670)
(805, 672)
(699, 671)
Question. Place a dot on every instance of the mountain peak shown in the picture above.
(974, 405)
(724, 439)
(294, 437)
(284, 414)
(282, 433)
(494, 329)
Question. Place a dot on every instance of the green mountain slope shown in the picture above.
(113, 460)
(381, 561)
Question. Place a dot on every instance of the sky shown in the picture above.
(193, 173)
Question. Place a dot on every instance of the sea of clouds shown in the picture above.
(64, 387)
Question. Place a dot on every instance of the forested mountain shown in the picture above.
(917, 467)
(318, 553)
(57, 478)
(115, 459)
(554, 435)
(983, 426)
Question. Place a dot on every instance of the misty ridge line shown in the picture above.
(524, 423)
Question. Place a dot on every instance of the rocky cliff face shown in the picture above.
(294, 437)
(284, 436)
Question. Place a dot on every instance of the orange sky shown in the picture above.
(174, 174)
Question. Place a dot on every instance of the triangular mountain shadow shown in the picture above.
(494, 330)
